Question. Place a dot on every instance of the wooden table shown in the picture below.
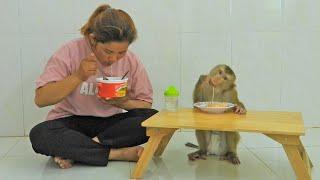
(283, 127)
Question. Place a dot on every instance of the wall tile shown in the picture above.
(45, 16)
(205, 15)
(36, 51)
(199, 54)
(272, 45)
(257, 59)
(301, 74)
(161, 60)
(301, 15)
(11, 112)
(9, 17)
(252, 15)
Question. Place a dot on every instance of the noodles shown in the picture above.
(217, 105)
(212, 95)
(214, 104)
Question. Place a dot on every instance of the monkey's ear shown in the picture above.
(203, 77)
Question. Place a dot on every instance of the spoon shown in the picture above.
(89, 44)
(125, 75)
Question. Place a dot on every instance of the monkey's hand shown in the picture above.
(197, 155)
(239, 109)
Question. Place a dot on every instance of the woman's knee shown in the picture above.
(36, 132)
(35, 135)
(41, 132)
(144, 112)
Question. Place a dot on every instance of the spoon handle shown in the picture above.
(125, 75)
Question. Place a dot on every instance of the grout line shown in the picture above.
(283, 55)
(230, 10)
(22, 90)
(190, 32)
(180, 36)
(282, 13)
(230, 32)
(5, 155)
(264, 163)
(262, 147)
(21, 68)
(231, 49)
(130, 170)
(311, 146)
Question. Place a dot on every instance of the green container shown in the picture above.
(171, 91)
(171, 98)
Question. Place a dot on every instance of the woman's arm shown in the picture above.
(128, 104)
(54, 92)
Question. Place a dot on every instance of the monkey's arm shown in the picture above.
(198, 90)
(232, 97)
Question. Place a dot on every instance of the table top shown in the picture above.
(268, 122)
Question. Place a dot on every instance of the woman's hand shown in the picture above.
(114, 101)
(88, 67)
(126, 103)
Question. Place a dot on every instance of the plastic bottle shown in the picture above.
(171, 96)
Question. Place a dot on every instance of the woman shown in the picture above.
(82, 127)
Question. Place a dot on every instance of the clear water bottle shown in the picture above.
(171, 96)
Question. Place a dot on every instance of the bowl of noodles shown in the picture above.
(214, 107)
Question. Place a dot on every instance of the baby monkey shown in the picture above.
(218, 86)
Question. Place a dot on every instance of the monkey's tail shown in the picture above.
(188, 144)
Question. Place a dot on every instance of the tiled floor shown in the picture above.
(261, 158)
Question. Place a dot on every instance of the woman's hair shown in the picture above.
(109, 24)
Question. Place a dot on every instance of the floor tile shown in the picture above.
(276, 159)
(6, 143)
(22, 148)
(311, 137)
(43, 167)
(173, 164)
(180, 138)
(261, 158)
(256, 140)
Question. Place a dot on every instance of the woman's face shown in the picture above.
(108, 53)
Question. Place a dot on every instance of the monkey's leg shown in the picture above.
(233, 139)
(203, 137)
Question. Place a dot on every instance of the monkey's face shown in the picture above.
(222, 77)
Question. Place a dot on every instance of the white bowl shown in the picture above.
(214, 107)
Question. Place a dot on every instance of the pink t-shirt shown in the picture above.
(83, 100)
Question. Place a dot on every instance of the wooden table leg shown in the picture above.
(297, 156)
(163, 144)
(156, 136)
(305, 157)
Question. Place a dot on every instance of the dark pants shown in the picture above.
(71, 137)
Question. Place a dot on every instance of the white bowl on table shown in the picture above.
(214, 107)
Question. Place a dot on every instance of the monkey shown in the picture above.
(219, 85)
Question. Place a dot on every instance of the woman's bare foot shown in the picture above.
(95, 139)
(63, 163)
(126, 154)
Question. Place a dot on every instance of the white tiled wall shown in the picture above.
(11, 104)
(272, 45)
